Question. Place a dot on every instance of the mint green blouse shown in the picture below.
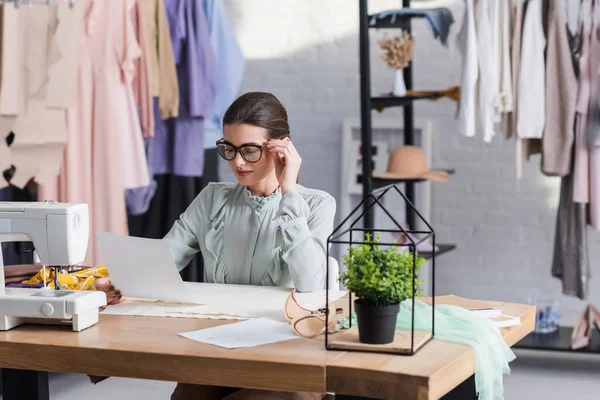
(244, 239)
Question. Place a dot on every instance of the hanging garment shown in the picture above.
(138, 199)
(581, 185)
(501, 48)
(164, 89)
(67, 23)
(178, 142)
(488, 77)
(561, 96)
(172, 196)
(230, 64)
(440, 19)
(51, 55)
(520, 7)
(30, 120)
(467, 43)
(593, 122)
(593, 125)
(141, 80)
(105, 153)
(163, 74)
(570, 261)
(532, 78)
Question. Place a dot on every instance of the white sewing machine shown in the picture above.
(59, 232)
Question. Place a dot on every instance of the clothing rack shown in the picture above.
(368, 103)
(30, 3)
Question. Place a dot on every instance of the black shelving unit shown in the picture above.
(559, 341)
(369, 103)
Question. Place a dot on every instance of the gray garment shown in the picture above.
(571, 261)
(251, 240)
(440, 19)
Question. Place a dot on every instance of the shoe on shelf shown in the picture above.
(580, 338)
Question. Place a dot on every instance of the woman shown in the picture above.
(265, 229)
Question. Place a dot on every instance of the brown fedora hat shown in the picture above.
(410, 162)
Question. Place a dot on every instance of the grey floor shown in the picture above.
(535, 376)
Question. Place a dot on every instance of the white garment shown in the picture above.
(487, 68)
(502, 38)
(532, 88)
(466, 41)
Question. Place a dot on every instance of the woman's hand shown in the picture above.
(113, 296)
(287, 163)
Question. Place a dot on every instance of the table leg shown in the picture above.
(464, 391)
(20, 384)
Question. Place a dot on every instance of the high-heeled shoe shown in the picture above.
(582, 333)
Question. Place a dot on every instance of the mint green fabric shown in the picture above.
(459, 325)
(277, 240)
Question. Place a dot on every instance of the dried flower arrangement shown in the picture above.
(397, 52)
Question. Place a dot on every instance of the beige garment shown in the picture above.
(27, 45)
(207, 392)
(13, 90)
(67, 23)
(36, 151)
(141, 80)
(66, 27)
(50, 37)
(519, 8)
(163, 74)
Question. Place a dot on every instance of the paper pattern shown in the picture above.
(249, 333)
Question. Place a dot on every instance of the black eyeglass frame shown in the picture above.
(238, 150)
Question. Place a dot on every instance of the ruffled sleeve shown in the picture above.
(304, 228)
(204, 214)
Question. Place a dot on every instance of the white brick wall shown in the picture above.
(306, 52)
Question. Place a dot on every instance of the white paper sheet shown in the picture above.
(143, 268)
(249, 333)
(252, 301)
(224, 302)
(143, 308)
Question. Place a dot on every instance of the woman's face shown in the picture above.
(248, 173)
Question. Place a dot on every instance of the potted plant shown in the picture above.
(380, 279)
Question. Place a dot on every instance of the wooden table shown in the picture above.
(150, 348)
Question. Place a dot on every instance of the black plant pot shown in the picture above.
(376, 325)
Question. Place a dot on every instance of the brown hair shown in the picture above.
(259, 109)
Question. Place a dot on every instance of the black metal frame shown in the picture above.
(376, 197)
(367, 106)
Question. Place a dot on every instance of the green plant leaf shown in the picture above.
(380, 277)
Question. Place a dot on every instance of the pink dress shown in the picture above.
(105, 152)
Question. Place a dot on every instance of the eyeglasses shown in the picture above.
(309, 323)
(250, 152)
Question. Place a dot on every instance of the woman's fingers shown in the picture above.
(103, 284)
(115, 300)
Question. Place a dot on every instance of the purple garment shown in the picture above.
(178, 144)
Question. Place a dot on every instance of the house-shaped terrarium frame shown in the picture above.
(404, 342)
